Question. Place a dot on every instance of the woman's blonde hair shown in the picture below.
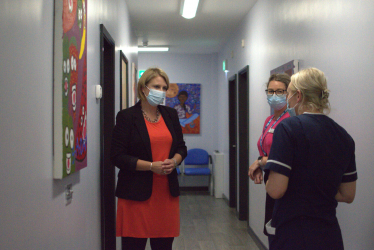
(147, 76)
(312, 84)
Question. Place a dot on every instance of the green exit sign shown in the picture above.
(224, 66)
(141, 73)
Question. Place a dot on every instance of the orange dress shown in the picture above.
(158, 216)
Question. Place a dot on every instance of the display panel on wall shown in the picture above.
(185, 98)
(289, 68)
(70, 87)
(124, 81)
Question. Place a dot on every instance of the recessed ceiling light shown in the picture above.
(189, 8)
(153, 48)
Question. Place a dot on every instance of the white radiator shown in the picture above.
(218, 163)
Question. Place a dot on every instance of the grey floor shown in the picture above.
(208, 223)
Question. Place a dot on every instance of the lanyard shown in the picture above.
(263, 136)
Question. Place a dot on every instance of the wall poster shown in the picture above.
(124, 98)
(70, 87)
(185, 98)
(134, 87)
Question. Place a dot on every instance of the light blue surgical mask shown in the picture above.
(277, 102)
(155, 97)
(291, 111)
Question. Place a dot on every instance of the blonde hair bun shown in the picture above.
(312, 84)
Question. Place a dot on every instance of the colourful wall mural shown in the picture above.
(70, 87)
(185, 98)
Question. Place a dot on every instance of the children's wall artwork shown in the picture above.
(70, 87)
(185, 98)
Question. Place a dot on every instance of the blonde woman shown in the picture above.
(147, 145)
(312, 167)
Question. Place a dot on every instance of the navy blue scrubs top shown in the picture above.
(317, 155)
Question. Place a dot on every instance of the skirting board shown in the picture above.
(226, 199)
(258, 242)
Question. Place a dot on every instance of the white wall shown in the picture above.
(336, 37)
(333, 35)
(33, 214)
(193, 68)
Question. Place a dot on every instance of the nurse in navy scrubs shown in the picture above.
(311, 168)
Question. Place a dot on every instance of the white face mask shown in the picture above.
(277, 102)
(155, 97)
(291, 111)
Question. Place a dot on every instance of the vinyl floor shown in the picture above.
(208, 223)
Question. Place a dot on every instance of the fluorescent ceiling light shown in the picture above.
(189, 8)
(152, 49)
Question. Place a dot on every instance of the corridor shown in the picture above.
(208, 223)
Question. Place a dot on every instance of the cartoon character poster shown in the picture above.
(70, 87)
(185, 98)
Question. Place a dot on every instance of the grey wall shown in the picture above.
(336, 37)
(33, 214)
(193, 68)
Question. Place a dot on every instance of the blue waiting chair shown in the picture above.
(202, 165)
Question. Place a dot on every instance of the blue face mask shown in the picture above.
(277, 102)
(291, 111)
(155, 97)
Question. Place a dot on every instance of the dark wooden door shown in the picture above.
(232, 141)
(243, 182)
(107, 121)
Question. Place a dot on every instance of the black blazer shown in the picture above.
(130, 142)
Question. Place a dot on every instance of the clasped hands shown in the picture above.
(255, 172)
(163, 167)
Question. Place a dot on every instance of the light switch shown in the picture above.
(98, 92)
(69, 193)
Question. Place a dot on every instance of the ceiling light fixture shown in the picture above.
(152, 48)
(189, 8)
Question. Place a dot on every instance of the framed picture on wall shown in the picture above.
(124, 87)
(70, 87)
(134, 87)
(185, 98)
(289, 68)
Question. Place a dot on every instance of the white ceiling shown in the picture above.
(159, 23)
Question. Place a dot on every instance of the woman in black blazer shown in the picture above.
(147, 145)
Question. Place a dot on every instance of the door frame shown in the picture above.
(107, 121)
(243, 141)
(233, 154)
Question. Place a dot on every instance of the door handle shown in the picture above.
(234, 146)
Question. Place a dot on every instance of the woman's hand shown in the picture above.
(168, 166)
(251, 171)
(157, 167)
(258, 176)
